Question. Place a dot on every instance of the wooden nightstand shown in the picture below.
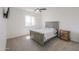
(65, 35)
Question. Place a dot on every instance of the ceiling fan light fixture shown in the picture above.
(40, 9)
(37, 10)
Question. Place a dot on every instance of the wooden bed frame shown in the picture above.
(39, 37)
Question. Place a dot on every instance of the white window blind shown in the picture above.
(29, 21)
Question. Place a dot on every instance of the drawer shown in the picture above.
(65, 35)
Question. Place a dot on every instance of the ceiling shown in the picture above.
(30, 9)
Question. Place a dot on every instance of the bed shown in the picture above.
(42, 35)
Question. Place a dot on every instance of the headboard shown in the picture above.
(52, 24)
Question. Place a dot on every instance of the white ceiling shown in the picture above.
(30, 9)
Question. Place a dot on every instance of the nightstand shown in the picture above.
(65, 35)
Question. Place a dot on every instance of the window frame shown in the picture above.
(32, 19)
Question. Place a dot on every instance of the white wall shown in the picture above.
(68, 18)
(16, 22)
(2, 31)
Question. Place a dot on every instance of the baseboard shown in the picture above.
(17, 36)
(74, 41)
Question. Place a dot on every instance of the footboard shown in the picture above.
(38, 37)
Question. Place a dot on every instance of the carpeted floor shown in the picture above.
(26, 44)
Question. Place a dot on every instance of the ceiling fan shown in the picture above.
(40, 9)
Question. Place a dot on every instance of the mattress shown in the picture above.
(48, 32)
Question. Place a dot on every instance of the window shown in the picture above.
(29, 21)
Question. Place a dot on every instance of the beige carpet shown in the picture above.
(26, 44)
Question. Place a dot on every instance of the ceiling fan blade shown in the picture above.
(43, 9)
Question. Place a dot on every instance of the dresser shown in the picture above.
(64, 35)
